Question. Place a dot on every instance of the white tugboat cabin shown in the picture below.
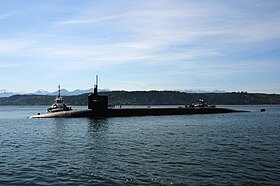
(59, 104)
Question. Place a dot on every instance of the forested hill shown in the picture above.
(151, 98)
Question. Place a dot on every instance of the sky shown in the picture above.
(140, 45)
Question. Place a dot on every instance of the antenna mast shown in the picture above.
(96, 80)
(96, 85)
(58, 91)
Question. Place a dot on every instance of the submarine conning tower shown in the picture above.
(99, 104)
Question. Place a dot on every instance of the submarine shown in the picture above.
(98, 107)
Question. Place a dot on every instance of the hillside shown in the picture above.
(151, 98)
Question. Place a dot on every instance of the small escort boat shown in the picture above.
(58, 104)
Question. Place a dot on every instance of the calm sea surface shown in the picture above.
(219, 149)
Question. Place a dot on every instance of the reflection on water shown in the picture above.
(97, 125)
(58, 127)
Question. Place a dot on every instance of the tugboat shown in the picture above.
(58, 104)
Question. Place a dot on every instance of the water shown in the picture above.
(219, 149)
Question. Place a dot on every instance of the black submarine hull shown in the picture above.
(165, 111)
(134, 112)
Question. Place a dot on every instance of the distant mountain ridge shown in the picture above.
(65, 92)
(203, 91)
(5, 93)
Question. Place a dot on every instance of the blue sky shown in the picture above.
(140, 44)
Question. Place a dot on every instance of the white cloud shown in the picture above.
(9, 65)
(88, 21)
(13, 46)
(4, 16)
(161, 26)
(262, 31)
